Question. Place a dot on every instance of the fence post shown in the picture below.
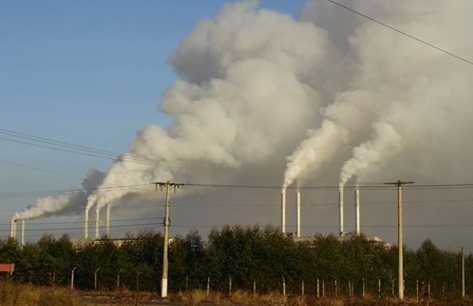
(302, 288)
(254, 287)
(317, 289)
(208, 286)
(417, 290)
(363, 287)
(335, 288)
(283, 286)
(230, 286)
(379, 288)
(323, 288)
(428, 289)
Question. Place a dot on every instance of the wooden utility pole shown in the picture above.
(400, 238)
(164, 279)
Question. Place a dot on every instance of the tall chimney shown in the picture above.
(298, 208)
(107, 220)
(23, 232)
(97, 222)
(357, 209)
(12, 228)
(340, 212)
(86, 223)
(283, 210)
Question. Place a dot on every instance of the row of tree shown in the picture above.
(246, 256)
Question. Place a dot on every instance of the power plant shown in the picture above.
(298, 212)
(341, 226)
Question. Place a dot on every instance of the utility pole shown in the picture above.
(400, 238)
(164, 279)
(463, 272)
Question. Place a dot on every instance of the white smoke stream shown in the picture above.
(258, 88)
(385, 143)
(69, 203)
(245, 93)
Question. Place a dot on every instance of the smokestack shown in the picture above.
(357, 209)
(97, 222)
(107, 220)
(12, 228)
(86, 223)
(298, 208)
(15, 229)
(23, 232)
(340, 212)
(283, 210)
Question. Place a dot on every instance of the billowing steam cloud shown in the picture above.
(70, 203)
(259, 90)
(419, 89)
(321, 145)
(385, 144)
(245, 95)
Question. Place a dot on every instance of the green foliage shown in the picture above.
(244, 255)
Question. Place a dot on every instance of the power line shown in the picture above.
(410, 36)
(81, 227)
(245, 186)
(100, 188)
(58, 145)
(31, 222)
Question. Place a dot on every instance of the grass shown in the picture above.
(12, 294)
(242, 298)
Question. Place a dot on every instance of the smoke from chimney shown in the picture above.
(311, 93)
(69, 203)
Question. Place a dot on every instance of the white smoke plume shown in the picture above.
(319, 147)
(385, 143)
(245, 94)
(420, 89)
(69, 203)
(257, 86)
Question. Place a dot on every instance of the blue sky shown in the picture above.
(87, 72)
